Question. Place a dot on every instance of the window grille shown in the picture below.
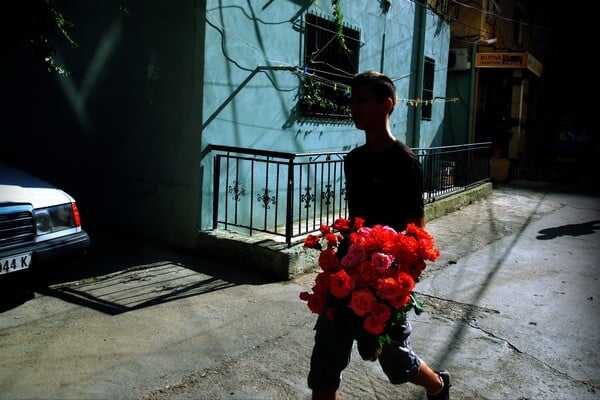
(329, 67)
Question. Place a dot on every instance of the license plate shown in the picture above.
(15, 263)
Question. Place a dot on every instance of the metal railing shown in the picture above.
(291, 194)
(451, 169)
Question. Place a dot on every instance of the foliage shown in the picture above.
(339, 22)
(317, 99)
(39, 25)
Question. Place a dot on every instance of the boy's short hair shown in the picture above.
(381, 85)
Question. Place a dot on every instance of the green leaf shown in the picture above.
(416, 304)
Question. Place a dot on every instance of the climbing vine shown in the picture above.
(338, 17)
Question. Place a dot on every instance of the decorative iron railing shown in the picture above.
(291, 194)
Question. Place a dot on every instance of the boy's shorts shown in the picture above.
(332, 351)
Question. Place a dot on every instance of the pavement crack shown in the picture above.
(509, 344)
(469, 314)
(453, 310)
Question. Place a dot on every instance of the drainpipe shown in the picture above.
(473, 94)
(419, 44)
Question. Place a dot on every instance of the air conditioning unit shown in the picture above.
(459, 60)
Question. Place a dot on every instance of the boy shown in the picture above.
(384, 184)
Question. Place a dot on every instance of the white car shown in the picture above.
(39, 223)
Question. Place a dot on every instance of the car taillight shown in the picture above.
(76, 216)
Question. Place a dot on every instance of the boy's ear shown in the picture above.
(389, 104)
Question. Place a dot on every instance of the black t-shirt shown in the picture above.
(384, 187)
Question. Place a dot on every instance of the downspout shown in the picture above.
(473, 94)
(420, 25)
(386, 8)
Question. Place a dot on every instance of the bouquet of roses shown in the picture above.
(367, 278)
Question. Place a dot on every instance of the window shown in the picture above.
(328, 68)
(427, 97)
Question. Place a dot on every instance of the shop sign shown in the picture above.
(508, 60)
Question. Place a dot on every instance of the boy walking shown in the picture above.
(384, 183)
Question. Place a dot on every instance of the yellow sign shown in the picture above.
(508, 60)
(534, 65)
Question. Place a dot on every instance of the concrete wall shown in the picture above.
(122, 133)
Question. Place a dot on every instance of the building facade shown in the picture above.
(514, 63)
(151, 91)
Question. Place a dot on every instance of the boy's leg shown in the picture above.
(324, 395)
(401, 364)
(428, 378)
(397, 360)
(330, 356)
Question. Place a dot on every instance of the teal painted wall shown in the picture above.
(456, 121)
(242, 35)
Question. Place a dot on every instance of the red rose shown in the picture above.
(400, 301)
(366, 274)
(328, 261)
(324, 229)
(370, 244)
(381, 312)
(358, 223)
(427, 248)
(384, 236)
(340, 284)
(362, 302)
(341, 224)
(388, 288)
(405, 249)
(416, 269)
(321, 283)
(312, 242)
(316, 303)
(304, 296)
(331, 239)
(373, 326)
(405, 284)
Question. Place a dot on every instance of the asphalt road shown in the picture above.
(512, 311)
